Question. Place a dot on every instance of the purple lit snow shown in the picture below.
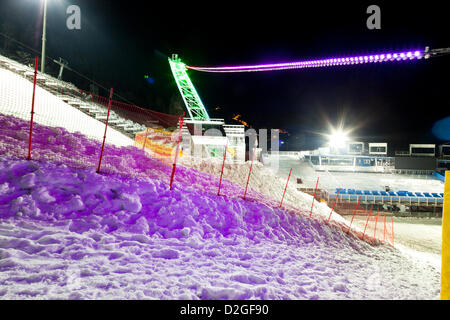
(69, 233)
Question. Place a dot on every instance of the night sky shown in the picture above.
(122, 41)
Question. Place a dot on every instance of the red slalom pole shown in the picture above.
(32, 108)
(106, 127)
(177, 151)
(223, 165)
(314, 196)
(145, 138)
(354, 212)
(376, 221)
(249, 173)
(368, 217)
(384, 234)
(281, 203)
(335, 200)
(392, 231)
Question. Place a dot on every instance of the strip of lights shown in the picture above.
(334, 61)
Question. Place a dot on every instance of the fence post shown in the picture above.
(314, 196)
(176, 151)
(335, 200)
(376, 221)
(106, 127)
(32, 108)
(249, 173)
(223, 164)
(368, 217)
(281, 203)
(392, 231)
(354, 212)
(145, 138)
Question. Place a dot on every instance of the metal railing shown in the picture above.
(398, 200)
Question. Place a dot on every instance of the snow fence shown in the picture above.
(65, 115)
(42, 99)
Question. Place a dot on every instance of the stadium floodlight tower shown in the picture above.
(337, 141)
(195, 142)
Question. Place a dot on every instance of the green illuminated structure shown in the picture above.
(190, 96)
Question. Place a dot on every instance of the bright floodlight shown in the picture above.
(337, 139)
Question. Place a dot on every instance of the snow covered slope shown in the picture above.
(67, 232)
(71, 233)
(76, 150)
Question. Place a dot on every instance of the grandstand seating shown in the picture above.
(399, 197)
(402, 193)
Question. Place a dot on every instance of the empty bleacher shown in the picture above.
(402, 197)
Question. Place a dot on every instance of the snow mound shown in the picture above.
(264, 181)
(76, 234)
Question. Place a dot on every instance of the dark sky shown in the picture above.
(121, 41)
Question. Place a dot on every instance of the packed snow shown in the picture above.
(71, 233)
(67, 232)
(264, 180)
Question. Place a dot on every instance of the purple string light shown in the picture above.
(334, 61)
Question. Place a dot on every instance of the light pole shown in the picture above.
(44, 28)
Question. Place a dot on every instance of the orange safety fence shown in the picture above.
(159, 143)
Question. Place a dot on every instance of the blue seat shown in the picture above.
(359, 192)
(392, 193)
(351, 191)
(419, 194)
(442, 195)
(402, 193)
(375, 193)
(436, 195)
(343, 191)
(426, 194)
(384, 193)
(410, 194)
(367, 192)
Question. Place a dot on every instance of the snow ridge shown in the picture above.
(67, 232)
